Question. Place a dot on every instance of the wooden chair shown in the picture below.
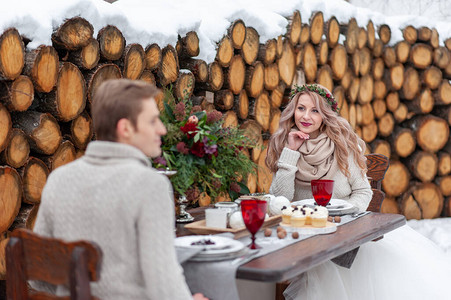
(32, 257)
(377, 165)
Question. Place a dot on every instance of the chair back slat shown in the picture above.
(73, 264)
(377, 165)
(376, 201)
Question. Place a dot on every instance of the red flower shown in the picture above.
(198, 149)
(328, 95)
(189, 127)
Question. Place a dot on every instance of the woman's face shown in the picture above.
(307, 117)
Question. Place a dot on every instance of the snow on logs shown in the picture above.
(397, 97)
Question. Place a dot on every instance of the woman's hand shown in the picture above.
(296, 139)
(199, 296)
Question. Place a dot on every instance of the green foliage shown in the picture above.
(207, 157)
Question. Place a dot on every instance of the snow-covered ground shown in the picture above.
(160, 21)
(437, 230)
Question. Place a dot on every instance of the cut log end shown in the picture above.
(111, 42)
(34, 176)
(12, 54)
(11, 187)
(73, 34)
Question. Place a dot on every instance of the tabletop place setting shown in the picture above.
(224, 232)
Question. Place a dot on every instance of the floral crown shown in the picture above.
(316, 89)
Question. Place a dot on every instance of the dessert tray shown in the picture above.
(212, 248)
(335, 206)
(200, 227)
(309, 229)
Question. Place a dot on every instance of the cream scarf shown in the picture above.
(316, 160)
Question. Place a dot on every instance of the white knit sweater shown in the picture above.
(113, 197)
(355, 189)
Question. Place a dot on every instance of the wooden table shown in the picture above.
(297, 258)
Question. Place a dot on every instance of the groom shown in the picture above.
(113, 197)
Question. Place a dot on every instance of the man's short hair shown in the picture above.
(117, 99)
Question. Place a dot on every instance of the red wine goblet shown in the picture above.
(322, 191)
(254, 212)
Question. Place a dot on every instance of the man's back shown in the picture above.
(112, 196)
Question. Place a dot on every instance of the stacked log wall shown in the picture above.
(396, 97)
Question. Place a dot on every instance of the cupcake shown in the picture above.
(298, 218)
(308, 214)
(286, 214)
(319, 216)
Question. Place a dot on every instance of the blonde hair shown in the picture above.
(346, 141)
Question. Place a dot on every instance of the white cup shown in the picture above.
(216, 218)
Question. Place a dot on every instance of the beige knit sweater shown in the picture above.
(113, 197)
(355, 189)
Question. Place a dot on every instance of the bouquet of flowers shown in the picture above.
(207, 157)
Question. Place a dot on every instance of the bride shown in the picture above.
(314, 142)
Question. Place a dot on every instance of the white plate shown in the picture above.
(220, 257)
(224, 247)
(218, 242)
(334, 206)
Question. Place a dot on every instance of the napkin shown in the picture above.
(185, 253)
